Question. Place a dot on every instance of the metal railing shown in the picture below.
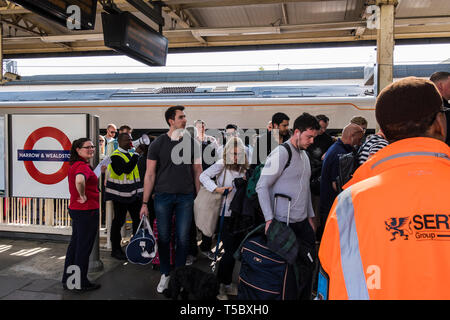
(16, 214)
(49, 216)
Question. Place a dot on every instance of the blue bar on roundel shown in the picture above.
(43, 155)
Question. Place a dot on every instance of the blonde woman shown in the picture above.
(233, 164)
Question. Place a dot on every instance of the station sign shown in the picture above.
(40, 153)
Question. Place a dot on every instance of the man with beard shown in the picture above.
(292, 181)
(267, 141)
(442, 81)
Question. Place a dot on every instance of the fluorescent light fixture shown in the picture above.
(73, 37)
(236, 31)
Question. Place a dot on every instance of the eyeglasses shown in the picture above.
(88, 147)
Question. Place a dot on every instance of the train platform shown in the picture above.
(32, 270)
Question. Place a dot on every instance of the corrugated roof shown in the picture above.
(207, 23)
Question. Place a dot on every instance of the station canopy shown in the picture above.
(222, 24)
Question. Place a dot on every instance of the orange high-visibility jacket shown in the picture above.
(388, 233)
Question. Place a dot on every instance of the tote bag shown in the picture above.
(206, 210)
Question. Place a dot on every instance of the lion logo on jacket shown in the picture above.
(399, 226)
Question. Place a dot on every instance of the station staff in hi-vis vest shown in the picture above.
(388, 233)
(124, 188)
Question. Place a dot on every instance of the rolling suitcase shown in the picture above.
(265, 275)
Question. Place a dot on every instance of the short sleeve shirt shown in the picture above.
(174, 173)
(91, 187)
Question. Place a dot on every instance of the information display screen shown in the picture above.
(129, 35)
(62, 10)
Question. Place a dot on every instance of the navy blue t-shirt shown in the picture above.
(330, 171)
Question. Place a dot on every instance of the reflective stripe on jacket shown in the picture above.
(388, 234)
(124, 187)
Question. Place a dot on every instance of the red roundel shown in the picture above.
(35, 136)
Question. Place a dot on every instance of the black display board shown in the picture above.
(129, 35)
(57, 10)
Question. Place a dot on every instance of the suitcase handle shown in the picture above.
(282, 196)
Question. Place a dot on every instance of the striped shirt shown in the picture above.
(373, 143)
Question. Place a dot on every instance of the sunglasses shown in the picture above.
(88, 147)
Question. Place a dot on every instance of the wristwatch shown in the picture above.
(143, 202)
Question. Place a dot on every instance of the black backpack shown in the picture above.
(348, 163)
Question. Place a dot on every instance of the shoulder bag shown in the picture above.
(206, 208)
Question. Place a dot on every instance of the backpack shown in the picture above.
(348, 163)
(253, 181)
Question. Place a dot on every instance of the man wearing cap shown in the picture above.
(388, 233)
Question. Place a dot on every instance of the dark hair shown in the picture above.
(322, 117)
(408, 129)
(279, 117)
(74, 156)
(231, 126)
(439, 76)
(407, 108)
(125, 127)
(305, 122)
(171, 112)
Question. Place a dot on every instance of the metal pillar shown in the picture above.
(1, 51)
(95, 264)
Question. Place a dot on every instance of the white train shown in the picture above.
(247, 106)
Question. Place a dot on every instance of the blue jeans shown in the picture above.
(166, 204)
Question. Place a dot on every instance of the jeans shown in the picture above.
(166, 204)
(84, 232)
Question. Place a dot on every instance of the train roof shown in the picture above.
(316, 74)
(185, 93)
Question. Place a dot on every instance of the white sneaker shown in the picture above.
(222, 293)
(231, 289)
(163, 283)
(190, 260)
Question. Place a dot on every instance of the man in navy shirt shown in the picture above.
(351, 136)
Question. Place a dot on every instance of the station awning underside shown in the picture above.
(222, 24)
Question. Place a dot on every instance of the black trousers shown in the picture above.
(84, 231)
(120, 214)
(230, 245)
(305, 234)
